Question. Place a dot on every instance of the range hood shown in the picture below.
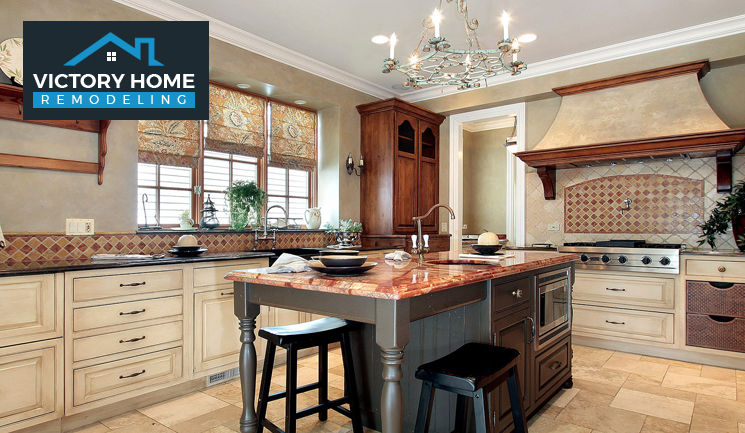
(651, 115)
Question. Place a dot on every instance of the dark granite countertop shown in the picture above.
(53, 266)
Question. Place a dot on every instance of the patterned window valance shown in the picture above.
(169, 142)
(293, 140)
(236, 123)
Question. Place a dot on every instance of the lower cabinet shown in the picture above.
(30, 384)
(216, 333)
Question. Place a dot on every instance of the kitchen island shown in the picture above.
(393, 301)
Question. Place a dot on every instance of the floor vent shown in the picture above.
(221, 377)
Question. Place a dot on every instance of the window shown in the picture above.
(111, 56)
(171, 190)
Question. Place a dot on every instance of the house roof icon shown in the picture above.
(133, 50)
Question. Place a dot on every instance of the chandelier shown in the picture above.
(436, 63)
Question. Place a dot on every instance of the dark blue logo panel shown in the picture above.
(119, 70)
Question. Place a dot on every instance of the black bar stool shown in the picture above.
(318, 333)
(471, 371)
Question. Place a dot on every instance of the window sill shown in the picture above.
(223, 231)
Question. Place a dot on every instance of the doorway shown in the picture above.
(511, 183)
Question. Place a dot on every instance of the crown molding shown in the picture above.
(170, 11)
(662, 41)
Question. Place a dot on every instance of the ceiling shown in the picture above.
(337, 33)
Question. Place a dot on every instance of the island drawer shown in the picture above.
(205, 276)
(723, 299)
(716, 268)
(622, 323)
(123, 341)
(551, 364)
(108, 286)
(132, 374)
(715, 332)
(508, 294)
(125, 312)
(626, 290)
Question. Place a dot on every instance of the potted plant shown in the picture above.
(346, 232)
(245, 200)
(731, 210)
(185, 222)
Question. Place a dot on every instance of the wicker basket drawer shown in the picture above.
(715, 332)
(722, 299)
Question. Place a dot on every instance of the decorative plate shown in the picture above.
(11, 59)
(343, 270)
(190, 253)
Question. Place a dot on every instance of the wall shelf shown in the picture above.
(11, 108)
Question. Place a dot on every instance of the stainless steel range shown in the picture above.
(626, 256)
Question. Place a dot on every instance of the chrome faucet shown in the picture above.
(266, 237)
(421, 243)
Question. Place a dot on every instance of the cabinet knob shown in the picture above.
(721, 269)
(518, 293)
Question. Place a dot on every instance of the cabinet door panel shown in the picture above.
(28, 309)
(512, 331)
(429, 189)
(216, 333)
(405, 205)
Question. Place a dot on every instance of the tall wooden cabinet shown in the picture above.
(400, 144)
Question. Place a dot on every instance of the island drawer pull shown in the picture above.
(121, 313)
(615, 323)
(132, 375)
(614, 289)
(132, 340)
(557, 365)
(133, 284)
(226, 293)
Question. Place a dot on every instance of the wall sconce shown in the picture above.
(350, 165)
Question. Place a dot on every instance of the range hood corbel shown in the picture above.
(704, 134)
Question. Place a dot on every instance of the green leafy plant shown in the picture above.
(245, 200)
(345, 226)
(722, 215)
(185, 214)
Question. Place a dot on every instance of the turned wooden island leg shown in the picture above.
(247, 313)
(392, 335)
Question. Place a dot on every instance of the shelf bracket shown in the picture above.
(103, 128)
(548, 177)
(724, 170)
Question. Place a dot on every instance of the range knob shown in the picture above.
(646, 260)
(584, 257)
(664, 261)
(622, 259)
(605, 258)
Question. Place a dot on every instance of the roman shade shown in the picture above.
(236, 123)
(169, 142)
(293, 137)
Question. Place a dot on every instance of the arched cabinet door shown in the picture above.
(429, 187)
(406, 173)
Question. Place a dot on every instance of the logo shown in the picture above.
(116, 70)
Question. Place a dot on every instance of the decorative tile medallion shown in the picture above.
(659, 204)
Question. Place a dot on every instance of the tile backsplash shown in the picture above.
(37, 247)
(668, 215)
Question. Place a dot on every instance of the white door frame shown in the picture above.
(515, 174)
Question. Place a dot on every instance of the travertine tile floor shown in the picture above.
(613, 392)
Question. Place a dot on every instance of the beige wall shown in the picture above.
(723, 87)
(485, 181)
(39, 201)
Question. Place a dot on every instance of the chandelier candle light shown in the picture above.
(436, 63)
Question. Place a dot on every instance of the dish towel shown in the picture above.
(285, 264)
(398, 256)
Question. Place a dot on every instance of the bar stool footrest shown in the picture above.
(300, 390)
(333, 404)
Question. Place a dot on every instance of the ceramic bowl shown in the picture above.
(343, 261)
(486, 250)
(339, 252)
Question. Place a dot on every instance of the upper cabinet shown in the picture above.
(400, 144)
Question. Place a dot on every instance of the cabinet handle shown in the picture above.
(615, 323)
(121, 313)
(532, 330)
(132, 340)
(226, 293)
(518, 293)
(132, 375)
(557, 365)
(614, 289)
(721, 269)
(133, 284)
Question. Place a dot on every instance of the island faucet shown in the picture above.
(266, 223)
(421, 245)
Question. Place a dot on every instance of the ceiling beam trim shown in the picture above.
(222, 31)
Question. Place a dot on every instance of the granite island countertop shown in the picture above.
(81, 264)
(391, 280)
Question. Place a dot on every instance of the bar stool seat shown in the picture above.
(471, 371)
(318, 333)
